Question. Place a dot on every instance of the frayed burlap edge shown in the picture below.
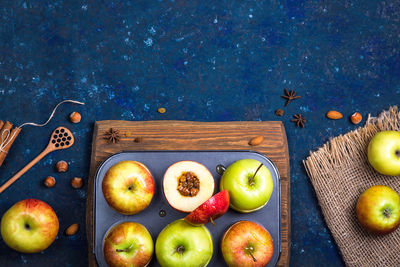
(339, 172)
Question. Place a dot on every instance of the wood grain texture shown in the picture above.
(187, 135)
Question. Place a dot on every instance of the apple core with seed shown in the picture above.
(187, 184)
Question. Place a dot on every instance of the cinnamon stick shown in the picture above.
(10, 139)
(1, 124)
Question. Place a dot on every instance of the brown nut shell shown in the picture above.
(75, 117)
(334, 115)
(76, 182)
(49, 182)
(255, 141)
(72, 229)
(356, 118)
(62, 166)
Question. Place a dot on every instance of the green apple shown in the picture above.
(378, 209)
(128, 244)
(29, 226)
(384, 152)
(249, 184)
(247, 243)
(183, 244)
(128, 187)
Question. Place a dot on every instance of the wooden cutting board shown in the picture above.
(188, 135)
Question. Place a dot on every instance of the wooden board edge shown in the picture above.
(89, 201)
(285, 183)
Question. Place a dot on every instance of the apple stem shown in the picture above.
(251, 180)
(250, 249)
(180, 249)
(125, 249)
(212, 221)
(397, 153)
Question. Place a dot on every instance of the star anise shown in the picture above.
(299, 119)
(289, 96)
(112, 136)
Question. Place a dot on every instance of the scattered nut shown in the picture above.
(138, 139)
(356, 118)
(72, 229)
(75, 117)
(255, 141)
(279, 112)
(76, 182)
(334, 115)
(62, 166)
(50, 181)
(161, 110)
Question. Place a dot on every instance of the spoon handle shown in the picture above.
(24, 170)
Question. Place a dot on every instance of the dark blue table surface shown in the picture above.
(201, 60)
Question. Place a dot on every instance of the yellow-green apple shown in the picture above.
(378, 209)
(187, 184)
(384, 152)
(249, 184)
(128, 187)
(213, 208)
(29, 226)
(183, 244)
(247, 243)
(128, 244)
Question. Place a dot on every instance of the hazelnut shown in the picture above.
(62, 166)
(72, 229)
(75, 117)
(76, 182)
(50, 181)
(356, 118)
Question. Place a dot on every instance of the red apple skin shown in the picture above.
(241, 235)
(119, 235)
(122, 176)
(43, 223)
(370, 207)
(214, 208)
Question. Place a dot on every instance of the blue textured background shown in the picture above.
(201, 60)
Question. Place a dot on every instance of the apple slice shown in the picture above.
(213, 208)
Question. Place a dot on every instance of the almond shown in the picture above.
(72, 229)
(356, 118)
(255, 141)
(334, 115)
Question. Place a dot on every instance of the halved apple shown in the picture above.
(187, 184)
(210, 210)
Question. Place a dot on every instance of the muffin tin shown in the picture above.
(157, 162)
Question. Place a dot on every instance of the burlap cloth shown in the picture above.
(339, 172)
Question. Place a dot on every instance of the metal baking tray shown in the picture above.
(158, 162)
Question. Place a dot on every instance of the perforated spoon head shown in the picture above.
(61, 138)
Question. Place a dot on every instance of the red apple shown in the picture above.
(187, 184)
(378, 209)
(210, 210)
(247, 243)
(128, 244)
(128, 187)
(29, 226)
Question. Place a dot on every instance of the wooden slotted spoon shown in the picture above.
(61, 138)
